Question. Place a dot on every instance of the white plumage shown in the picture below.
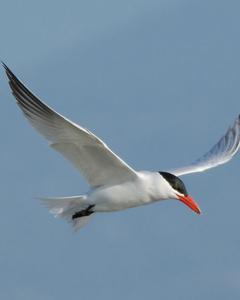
(219, 154)
(114, 185)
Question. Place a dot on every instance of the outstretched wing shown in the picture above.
(90, 155)
(219, 154)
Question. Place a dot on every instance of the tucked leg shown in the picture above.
(83, 213)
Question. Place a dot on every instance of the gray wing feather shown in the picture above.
(220, 153)
(89, 154)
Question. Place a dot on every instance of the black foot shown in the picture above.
(83, 213)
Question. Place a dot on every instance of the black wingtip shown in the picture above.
(7, 70)
(4, 65)
(238, 119)
(9, 73)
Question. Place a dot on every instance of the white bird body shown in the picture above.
(148, 187)
(114, 185)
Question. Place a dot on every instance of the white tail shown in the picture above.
(67, 207)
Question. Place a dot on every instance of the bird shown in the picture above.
(113, 184)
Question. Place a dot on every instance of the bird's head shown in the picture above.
(179, 191)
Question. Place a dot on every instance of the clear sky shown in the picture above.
(159, 82)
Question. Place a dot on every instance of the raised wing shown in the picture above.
(220, 153)
(91, 156)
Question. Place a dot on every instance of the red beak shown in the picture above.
(186, 199)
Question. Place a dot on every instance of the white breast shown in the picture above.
(147, 188)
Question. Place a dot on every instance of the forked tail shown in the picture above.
(76, 210)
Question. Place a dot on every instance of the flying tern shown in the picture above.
(114, 185)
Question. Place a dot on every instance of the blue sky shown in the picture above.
(158, 81)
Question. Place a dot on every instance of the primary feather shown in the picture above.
(220, 153)
(89, 154)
